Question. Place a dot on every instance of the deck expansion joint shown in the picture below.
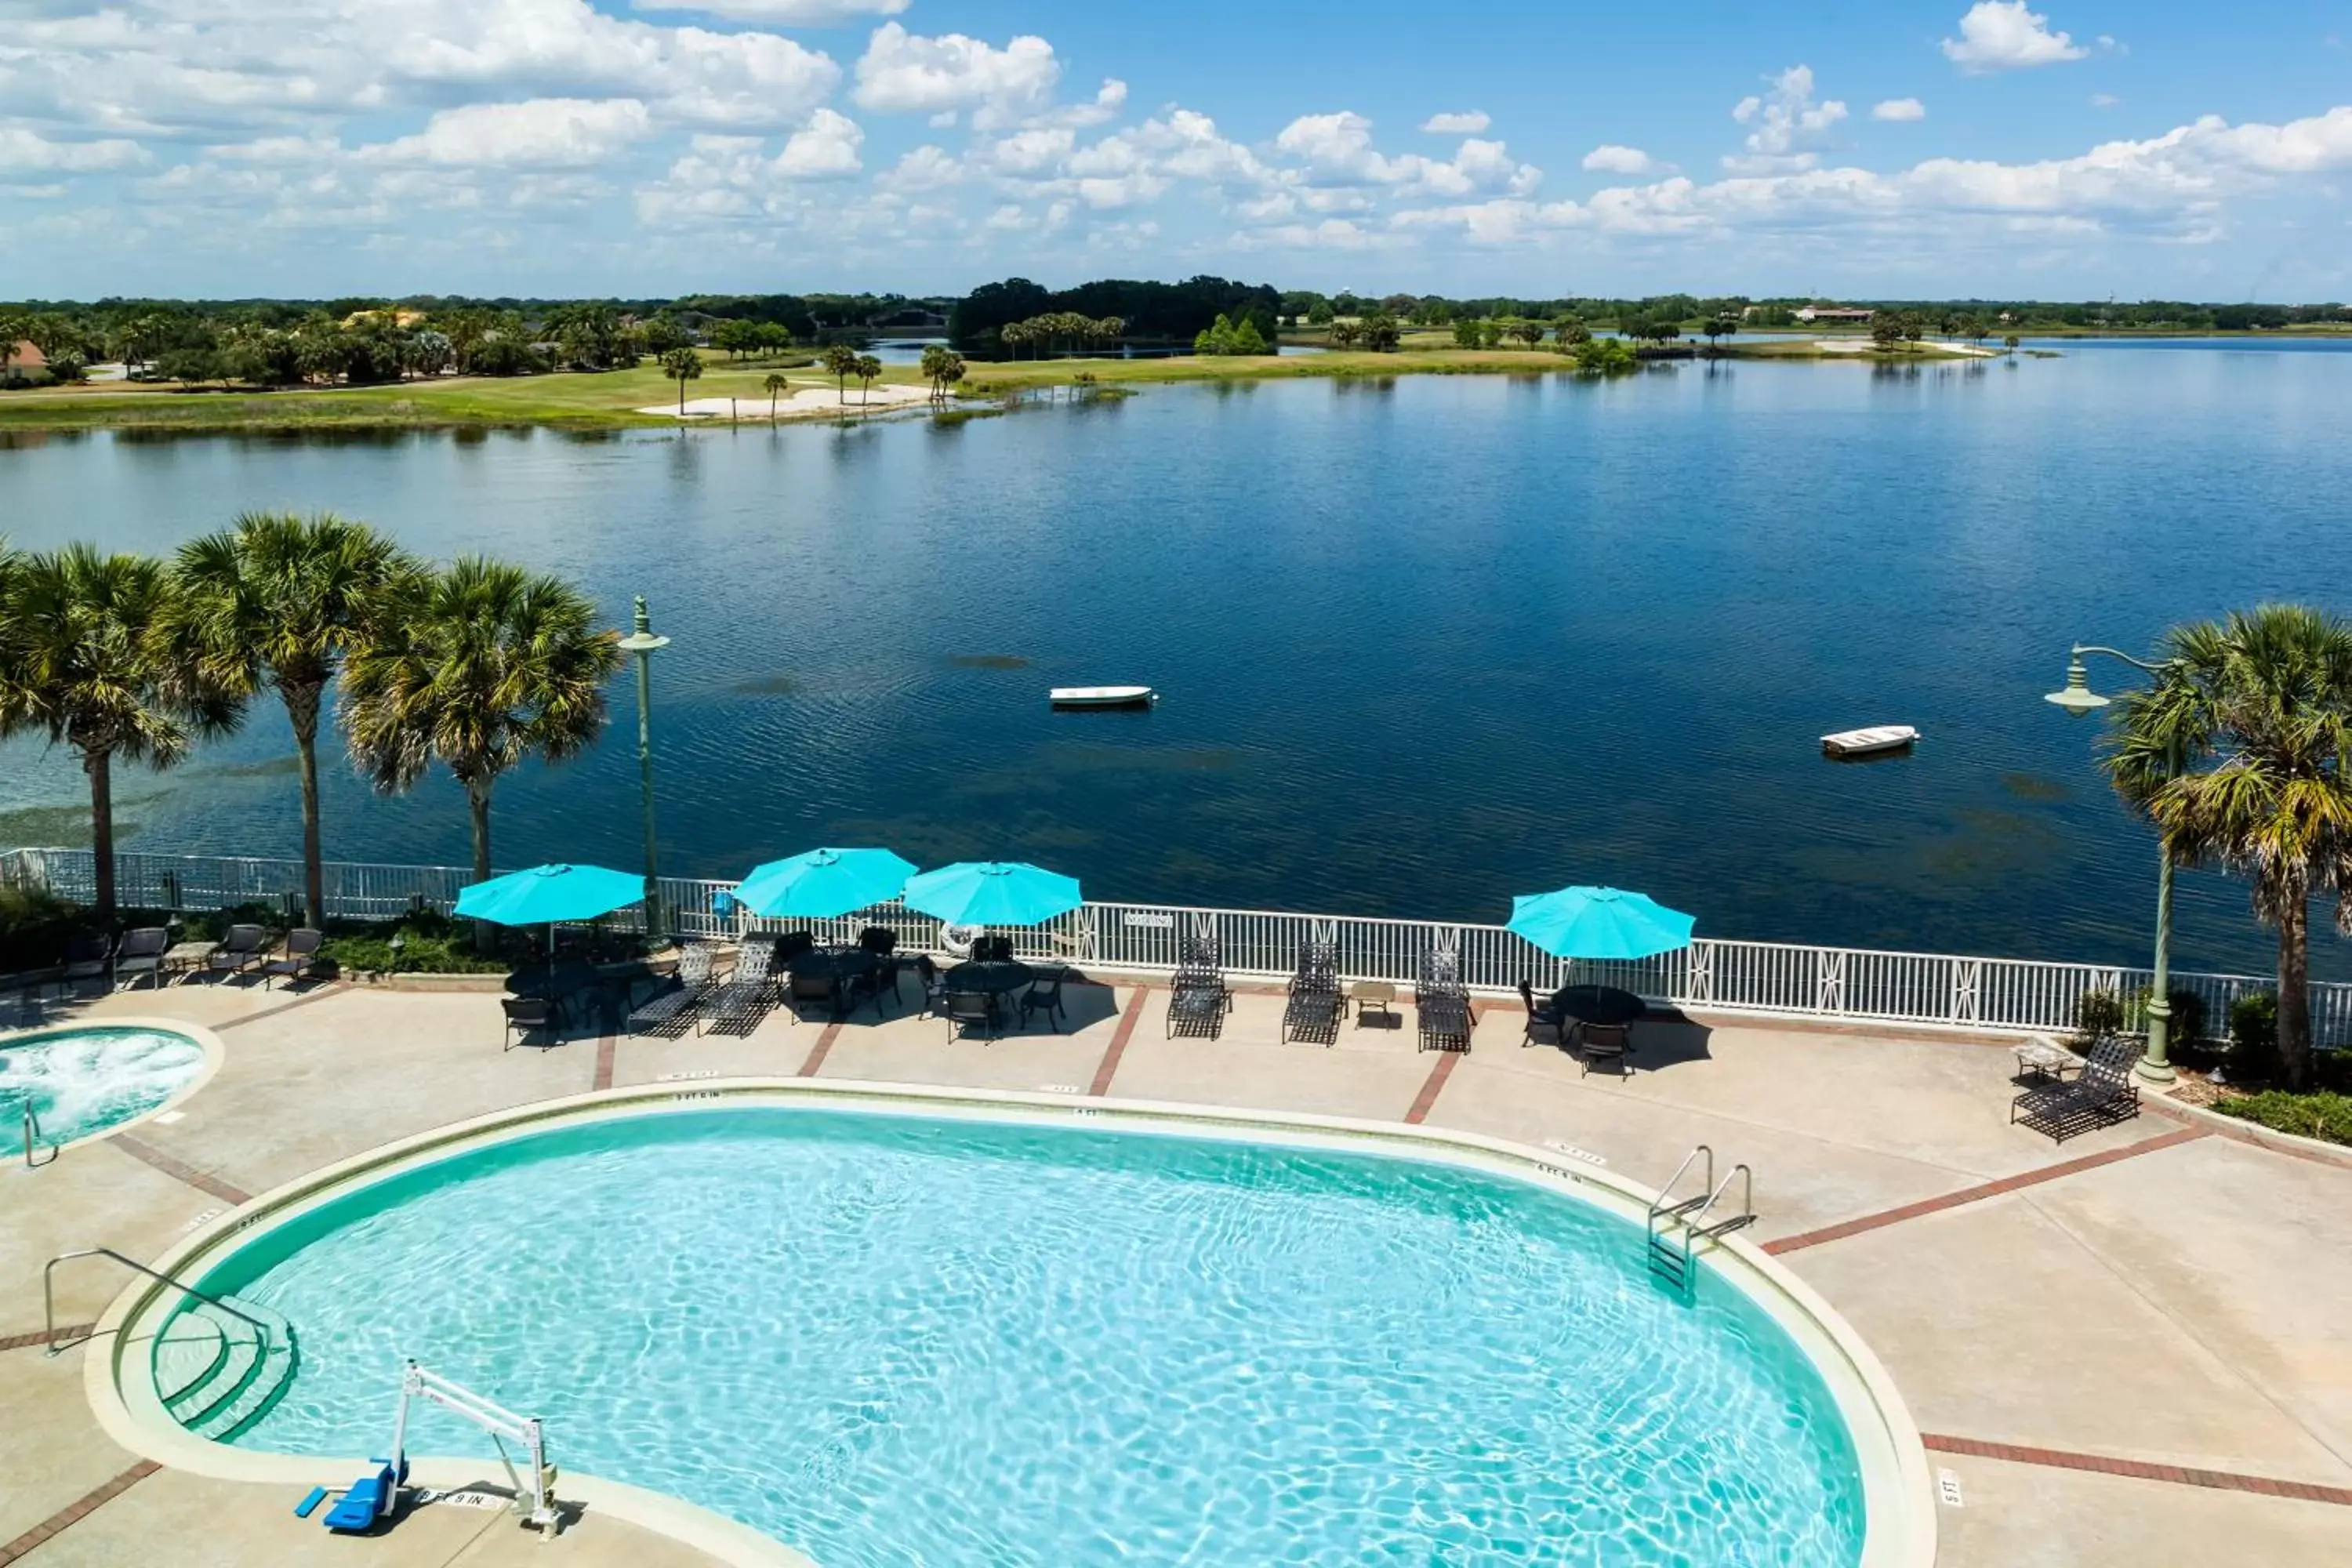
(1426, 1101)
(816, 1056)
(74, 1512)
(1124, 1033)
(179, 1170)
(2138, 1469)
(1978, 1194)
(332, 988)
(64, 1331)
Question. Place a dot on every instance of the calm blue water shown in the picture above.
(1423, 643)
(86, 1081)
(891, 1341)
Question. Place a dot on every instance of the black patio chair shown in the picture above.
(1316, 1003)
(822, 988)
(791, 945)
(88, 958)
(669, 1010)
(1545, 1025)
(1445, 1018)
(141, 952)
(527, 1015)
(298, 962)
(993, 950)
(967, 1009)
(744, 1000)
(245, 947)
(1045, 995)
(2103, 1095)
(883, 944)
(1605, 1043)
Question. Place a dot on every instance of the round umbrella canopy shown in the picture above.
(1598, 923)
(547, 895)
(824, 883)
(993, 893)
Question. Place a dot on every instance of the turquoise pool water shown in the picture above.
(893, 1338)
(82, 1081)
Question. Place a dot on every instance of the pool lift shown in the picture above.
(372, 1498)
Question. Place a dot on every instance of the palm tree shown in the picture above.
(840, 364)
(2240, 754)
(1012, 335)
(775, 383)
(682, 366)
(942, 366)
(83, 661)
(869, 370)
(481, 665)
(278, 600)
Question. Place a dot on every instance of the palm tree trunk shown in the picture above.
(303, 709)
(477, 798)
(98, 765)
(2294, 991)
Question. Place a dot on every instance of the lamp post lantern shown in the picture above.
(642, 642)
(2079, 699)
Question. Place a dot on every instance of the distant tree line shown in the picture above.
(1169, 314)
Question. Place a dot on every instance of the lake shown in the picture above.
(1422, 643)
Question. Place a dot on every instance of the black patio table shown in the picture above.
(1603, 1004)
(554, 982)
(832, 962)
(992, 978)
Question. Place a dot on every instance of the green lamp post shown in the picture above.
(642, 642)
(2080, 701)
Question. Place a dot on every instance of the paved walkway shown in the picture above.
(2131, 1349)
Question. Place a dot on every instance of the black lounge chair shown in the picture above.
(1545, 1025)
(1198, 1004)
(744, 1000)
(2103, 1096)
(1605, 1043)
(1045, 995)
(669, 1010)
(527, 1015)
(245, 947)
(88, 958)
(141, 952)
(1445, 1018)
(964, 1009)
(1316, 1003)
(300, 961)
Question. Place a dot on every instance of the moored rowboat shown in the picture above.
(1102, 696)
(1864, 742)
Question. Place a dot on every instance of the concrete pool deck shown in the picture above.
(2130, 1348)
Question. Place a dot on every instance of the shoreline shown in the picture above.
(642, 398)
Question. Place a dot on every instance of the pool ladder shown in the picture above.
(1677, 1226)
(33, 1139)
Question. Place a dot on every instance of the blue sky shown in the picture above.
(2056, 148)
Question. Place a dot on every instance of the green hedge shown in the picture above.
(2325, 1116)
(430, 943)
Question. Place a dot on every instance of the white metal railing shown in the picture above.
(1714, 973)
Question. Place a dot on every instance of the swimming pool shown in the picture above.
(887, 1335)
(85, 1081)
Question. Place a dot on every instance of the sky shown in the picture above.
(2054, 148)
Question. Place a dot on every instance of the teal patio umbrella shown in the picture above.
(550, 895)
(993, 893)
(823, 883)
(1598, 922)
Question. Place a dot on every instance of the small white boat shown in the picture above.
(1103, 696)
(1867, 743)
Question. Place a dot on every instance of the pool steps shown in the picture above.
(218, 1374)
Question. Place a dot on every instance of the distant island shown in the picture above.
(433, 361)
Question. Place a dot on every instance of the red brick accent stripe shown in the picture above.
(179, 1170)
(332, 988)
(831, 1033)
(65, 1331)
(1426, 1101)
(74, 1512)
(1125, 1032)
(608, 1050)
(2137, 1470)
(1870, 1222)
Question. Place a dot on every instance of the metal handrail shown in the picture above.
(49, 1304)
(1746, 1215)
(32, 1136)
(1664, 1207)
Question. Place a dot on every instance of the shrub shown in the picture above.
(2098, 1015)
(2324, 1116)
(34, 926)
(430, 943)
(2253, 1036)
(2187, 1017)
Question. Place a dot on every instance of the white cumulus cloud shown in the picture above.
(22, 152)
(1899, 109)
(1610, 158)
(781, 13)
(2003, 34)
(1474, 123)
(826, 148)
(539, 132)
(1787, 123)
(902, 73)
